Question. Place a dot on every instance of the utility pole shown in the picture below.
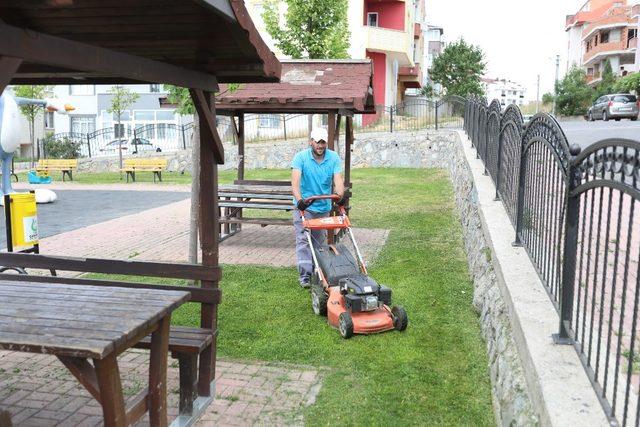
(538, 96)
(555, 85)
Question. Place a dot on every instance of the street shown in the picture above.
(584, 133)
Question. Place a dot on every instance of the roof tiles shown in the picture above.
(310, 85)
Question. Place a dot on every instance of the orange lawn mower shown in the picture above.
(341, 289)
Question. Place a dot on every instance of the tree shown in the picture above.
(548, 98)
(459, 68)
(628, 84)
(428, 91)
(31, 111)
(121, 101)
(608, 82)
(573, 93)
(314, 29)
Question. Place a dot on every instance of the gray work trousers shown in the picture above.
(303, 251)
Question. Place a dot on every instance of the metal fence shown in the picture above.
(414, 114)
(575, 214)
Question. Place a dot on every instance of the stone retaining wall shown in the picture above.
(511, 399)
(403, 149)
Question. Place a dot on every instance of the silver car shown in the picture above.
(618, 106)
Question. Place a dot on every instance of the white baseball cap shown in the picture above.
(318, 134)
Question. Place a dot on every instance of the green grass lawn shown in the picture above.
(433, 373)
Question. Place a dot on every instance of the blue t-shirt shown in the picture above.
(317, 178)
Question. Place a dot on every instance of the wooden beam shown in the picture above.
(8, 67)
(347, 151)
(331, 124)
(111, 266)
(208, 296)
(84, 373)
(41, 48)
(209, 230)
(240, 146)
(207, 120)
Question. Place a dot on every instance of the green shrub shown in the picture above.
(64, 148)
(629, 83)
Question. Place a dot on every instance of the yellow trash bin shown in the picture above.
(24, 219)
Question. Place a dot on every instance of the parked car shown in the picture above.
(617, 106)
(132, 145)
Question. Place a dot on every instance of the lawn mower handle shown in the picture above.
(334, 197)
(311, 199)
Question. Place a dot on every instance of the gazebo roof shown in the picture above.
(306, 86)
(134, 41)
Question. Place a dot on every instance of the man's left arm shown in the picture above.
(338, 184)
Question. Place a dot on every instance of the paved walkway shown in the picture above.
(38, 391)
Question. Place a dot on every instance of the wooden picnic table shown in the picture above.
(254, 194)
(81, 322)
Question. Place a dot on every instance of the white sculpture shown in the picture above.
(10, 134)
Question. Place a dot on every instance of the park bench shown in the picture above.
(66, 166)
(155, 165)
(189, 345)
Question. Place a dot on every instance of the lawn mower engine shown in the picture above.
(362, 293)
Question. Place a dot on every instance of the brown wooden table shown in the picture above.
(79, 322)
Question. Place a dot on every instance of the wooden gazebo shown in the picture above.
(194, 44)
(338, 88)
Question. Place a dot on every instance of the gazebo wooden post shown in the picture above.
(210, 155)
(337, 132)
(348, 141)
(240, 159)
(331, 129)
(240, 146)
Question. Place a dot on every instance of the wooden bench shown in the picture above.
(155, 165)
(66, 166)
(191, 346)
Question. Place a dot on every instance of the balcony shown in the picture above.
(410, 76)
(607, 49)
(391, 42)
(593, 77)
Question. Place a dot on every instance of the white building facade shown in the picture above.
(506, 91)
(92, 103)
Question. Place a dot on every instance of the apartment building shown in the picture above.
(92, 103)
(506, 91)
(434, 41)
(604, 31)
(389, 32)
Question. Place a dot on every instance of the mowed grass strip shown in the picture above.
(433, 373)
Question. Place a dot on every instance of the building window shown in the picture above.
(118, 130)
(503, 93)
(372, 19)
(632, 33)
(82, 90)
(154, 88)
(604, 37)
(48, 120)
(269, 120)
(83, 124)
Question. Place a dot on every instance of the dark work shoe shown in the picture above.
(305, 284)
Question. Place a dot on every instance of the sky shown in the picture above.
(520, 39)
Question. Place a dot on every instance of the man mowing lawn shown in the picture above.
(312, 173)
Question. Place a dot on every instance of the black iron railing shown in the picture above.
(575, 212)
